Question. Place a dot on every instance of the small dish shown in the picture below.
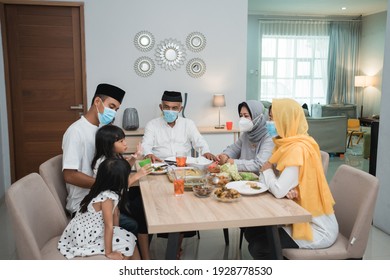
(202, 190)
(226, 195)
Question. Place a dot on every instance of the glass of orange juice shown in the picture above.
(178, 182)
(181, 158)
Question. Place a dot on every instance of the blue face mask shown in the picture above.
(170, 116)
(271, 128)
(107, 116)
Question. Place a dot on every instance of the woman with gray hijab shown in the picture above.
(255, 145)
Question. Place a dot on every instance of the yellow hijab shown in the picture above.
(294, 147)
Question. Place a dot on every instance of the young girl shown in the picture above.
(95, 228)
(110, 143)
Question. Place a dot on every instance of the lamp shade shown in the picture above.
(219, 100)
(364, 81)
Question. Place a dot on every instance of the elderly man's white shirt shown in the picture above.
(164, 141)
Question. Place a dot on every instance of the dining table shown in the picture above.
(167, 213)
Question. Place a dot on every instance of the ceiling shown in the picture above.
(316, 7)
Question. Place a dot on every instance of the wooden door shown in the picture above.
(44, 79)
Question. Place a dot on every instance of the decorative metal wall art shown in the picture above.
(144, 41)
(196, 67)
(196, 41)
(170, 54)
(144, 66)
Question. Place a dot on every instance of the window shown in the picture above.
(294, 67)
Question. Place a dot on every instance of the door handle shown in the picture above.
(77, 107)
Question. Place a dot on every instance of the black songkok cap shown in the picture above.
(173, 96)
(111, 91)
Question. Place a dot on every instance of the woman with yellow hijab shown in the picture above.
(299, 176)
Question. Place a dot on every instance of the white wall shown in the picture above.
(381, 216)
(110, 30)
(110, 27)
(371, 59)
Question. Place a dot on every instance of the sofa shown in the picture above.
(329, 132)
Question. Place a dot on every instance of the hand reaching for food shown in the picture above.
(222, 158)
(210, 156)
(153, 158)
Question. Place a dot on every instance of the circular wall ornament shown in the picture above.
(144, 41)
(144, 66)
(170, 54)
(196, 41)
(196, 67)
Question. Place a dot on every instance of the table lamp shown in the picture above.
(219, 101)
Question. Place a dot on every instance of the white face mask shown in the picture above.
(245, 124)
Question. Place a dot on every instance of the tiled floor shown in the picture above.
(211, 244)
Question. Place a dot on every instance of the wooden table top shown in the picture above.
(168, 213)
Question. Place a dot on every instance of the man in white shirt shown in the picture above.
(170, 133)
(78, 143)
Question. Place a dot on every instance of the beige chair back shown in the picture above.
(355, 193)
(51, 172)
(37, 220)
(35, 216)
(325, 161)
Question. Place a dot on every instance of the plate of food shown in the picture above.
(247, 187)
(159, 168)
(224, 194)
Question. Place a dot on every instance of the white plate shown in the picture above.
(157, 164)
(243, 188)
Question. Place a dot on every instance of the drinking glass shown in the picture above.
(178, 182)
(229, 125)
(181, 158)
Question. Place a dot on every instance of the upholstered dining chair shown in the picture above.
(348, 185)
(37, 220)
(51, 173)
(354, 129)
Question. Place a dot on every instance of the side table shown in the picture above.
(367, 121)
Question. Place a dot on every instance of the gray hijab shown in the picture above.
(256, 110)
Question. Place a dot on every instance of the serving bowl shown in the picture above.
(200, 162)
(203, 189)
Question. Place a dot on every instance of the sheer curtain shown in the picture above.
(343, 61)
(293, 60)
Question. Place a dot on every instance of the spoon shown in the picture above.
(215, 180)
